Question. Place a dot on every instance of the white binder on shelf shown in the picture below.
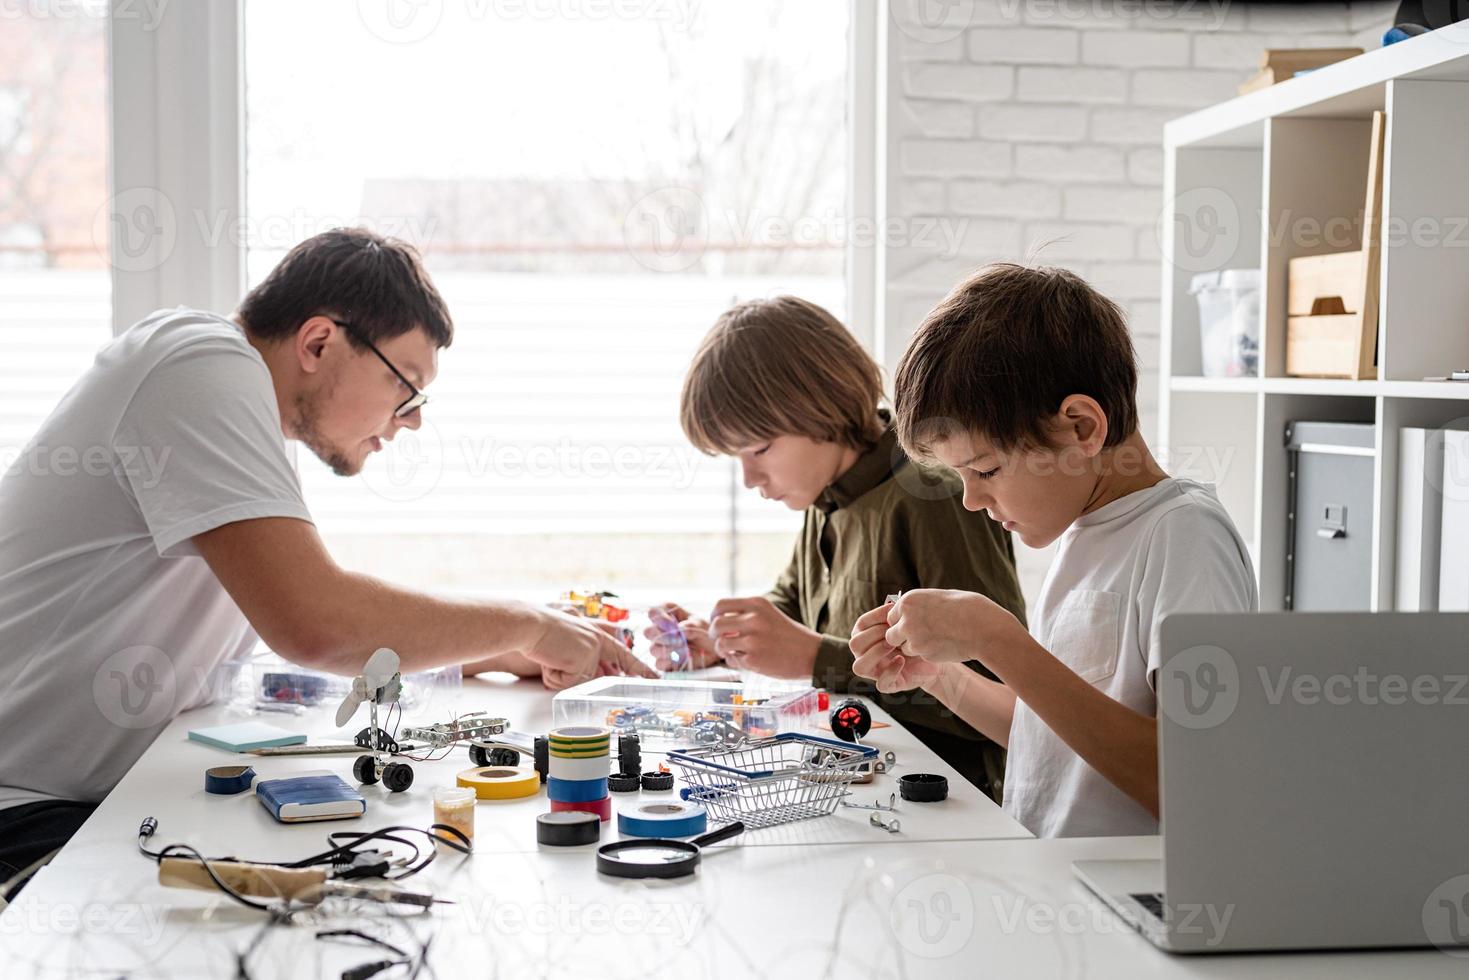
(1420, 517)
(1453, 565)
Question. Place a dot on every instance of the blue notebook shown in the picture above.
(245, 736)
(310, 796)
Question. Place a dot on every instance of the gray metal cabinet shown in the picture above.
(1329, 555)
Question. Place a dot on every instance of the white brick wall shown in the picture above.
(1036, 120)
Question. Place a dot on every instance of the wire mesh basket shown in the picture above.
(775, 780)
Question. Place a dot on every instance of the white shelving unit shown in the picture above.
(1279, 173)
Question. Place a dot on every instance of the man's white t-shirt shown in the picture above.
(1118, 571)
(110, 622)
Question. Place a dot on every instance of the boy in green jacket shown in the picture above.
(782, 386)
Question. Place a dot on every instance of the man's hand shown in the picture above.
(571, 650)
(696, 631)
(752, 634)
(876, 660)
(946, 626)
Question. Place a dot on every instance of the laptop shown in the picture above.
(1314, 785)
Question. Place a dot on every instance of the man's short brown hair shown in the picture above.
(353, 275)
(781, 366)
(1001, 352)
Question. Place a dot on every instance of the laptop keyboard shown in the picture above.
(1152, 901)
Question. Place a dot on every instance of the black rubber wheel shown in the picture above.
(655, 781)
(503, 757)
(479, 755)
(923, 787)
(850, 720)
(365, 770)
(621, 782)
(629, 755)
(543, 757)
(397, 777)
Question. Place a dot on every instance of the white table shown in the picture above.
(937, 900)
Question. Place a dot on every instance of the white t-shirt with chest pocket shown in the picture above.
(1118, 571)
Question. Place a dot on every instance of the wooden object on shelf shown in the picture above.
(1278, 64)
(1331, 300)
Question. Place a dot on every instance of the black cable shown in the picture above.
(219, 883)
(437, 833)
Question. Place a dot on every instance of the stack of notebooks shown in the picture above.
(1433, 521)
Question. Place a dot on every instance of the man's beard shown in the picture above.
(308, 433)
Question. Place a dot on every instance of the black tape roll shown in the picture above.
(923, 787)
(568, 828)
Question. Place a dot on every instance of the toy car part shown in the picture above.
(892, 826)
(655, 781)
(501, 756)
(629, 754)
(475, 727)
(923, 787)
(379, 683)
(891, 806)
(850, 720)
(712, 726)
(382, 742)
(620, 782)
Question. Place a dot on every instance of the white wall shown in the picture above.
(1012, 123)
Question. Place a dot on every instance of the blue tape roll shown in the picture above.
(228, 780)
(663, 820)
(576, 790)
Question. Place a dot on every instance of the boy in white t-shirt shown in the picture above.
(1024, 380)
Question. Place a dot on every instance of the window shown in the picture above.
(55, 291)
(590, 189)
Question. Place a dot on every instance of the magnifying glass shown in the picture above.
(654, 857)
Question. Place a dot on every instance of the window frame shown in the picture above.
(184, 140)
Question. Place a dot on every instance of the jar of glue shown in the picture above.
(454, 806)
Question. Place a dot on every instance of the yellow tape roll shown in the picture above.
(500, 782)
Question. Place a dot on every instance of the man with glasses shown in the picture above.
(154, 528)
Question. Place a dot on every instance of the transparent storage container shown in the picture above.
(1229, 322)
(687, 713)
(267, 683)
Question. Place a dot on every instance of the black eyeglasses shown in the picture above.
(414, 401)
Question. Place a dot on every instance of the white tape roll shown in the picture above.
(594, 767)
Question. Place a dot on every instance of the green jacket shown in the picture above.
(892, 525)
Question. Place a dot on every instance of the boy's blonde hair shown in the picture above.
(781, 366)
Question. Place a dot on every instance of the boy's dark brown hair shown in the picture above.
(1001, 352)
(781, 366)
(376, 284)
